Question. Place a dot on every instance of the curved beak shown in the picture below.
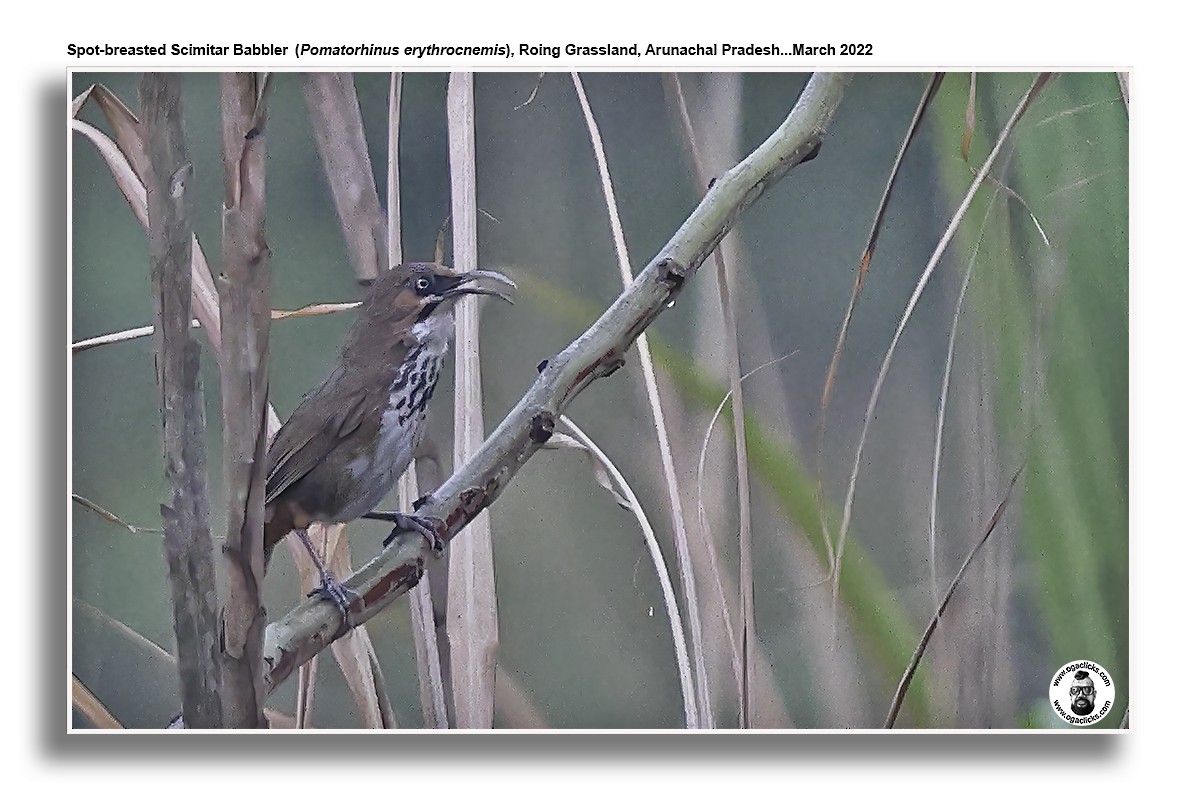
(463, 286)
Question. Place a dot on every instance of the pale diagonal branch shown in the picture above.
(597, 353)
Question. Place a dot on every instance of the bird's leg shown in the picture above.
(428, 527)
(339, 594)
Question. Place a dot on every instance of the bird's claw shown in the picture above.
(337, 593)
(428, 527)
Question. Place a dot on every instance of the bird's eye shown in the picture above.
(422, 284)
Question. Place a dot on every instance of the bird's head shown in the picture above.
(419, 299)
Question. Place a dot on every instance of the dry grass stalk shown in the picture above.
(311, 310)
(187, 542)
(342, 142)
(428, 657)
(153, 652)
(244, 290)
(472, 624)
(911, 669)
(420, 601)
(943, 397)
(744, 664)
(860, 282)
(395, 249)
(126, 160)
(606, 475)
(91, 708)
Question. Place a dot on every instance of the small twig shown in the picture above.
(311, 310)
(120, 336)
(911, 669)
(532, 92)
(625, 495)
(110, 516)
(943, 396)
(860, 282)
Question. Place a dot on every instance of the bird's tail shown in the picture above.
(278, 525)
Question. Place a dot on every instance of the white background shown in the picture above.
(1163, 430)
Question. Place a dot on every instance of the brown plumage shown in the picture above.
(351, 438)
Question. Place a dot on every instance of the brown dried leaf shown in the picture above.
(204, 291)
(110, 516)
(314, 310)
(78, 102)
(124, 124)
(91, 707)
(122, 171)
(337, 123)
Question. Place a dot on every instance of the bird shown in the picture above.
(351, 438)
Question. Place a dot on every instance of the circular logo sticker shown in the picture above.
(1082, 693)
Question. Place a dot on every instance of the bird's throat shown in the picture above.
(435, 332)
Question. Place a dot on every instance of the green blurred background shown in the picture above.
(1040, 373)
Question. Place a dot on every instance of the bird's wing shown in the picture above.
(294, 452)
